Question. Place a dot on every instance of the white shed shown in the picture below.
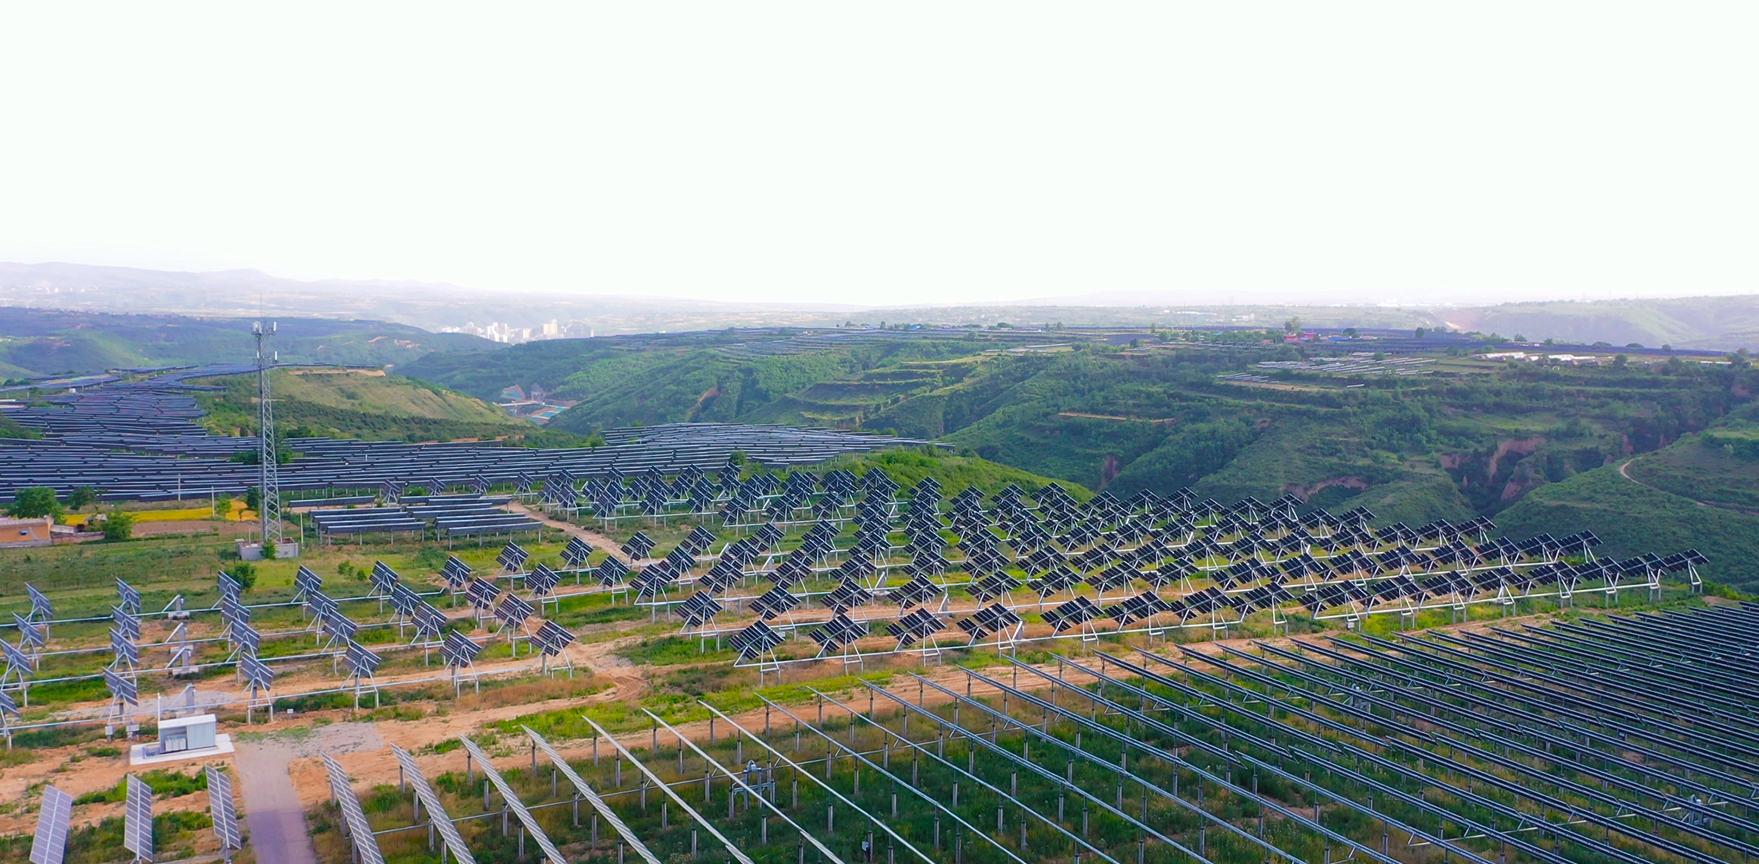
(187, 733)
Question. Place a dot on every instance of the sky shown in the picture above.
(900, 152)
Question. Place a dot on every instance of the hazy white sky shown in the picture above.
(897, 152)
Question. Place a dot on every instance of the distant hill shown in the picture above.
(1716, 323)
(1720, 323)
(51, 341)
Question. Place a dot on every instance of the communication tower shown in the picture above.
(269, 480)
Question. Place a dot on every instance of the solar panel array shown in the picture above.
(139, 441)
(1106, 565)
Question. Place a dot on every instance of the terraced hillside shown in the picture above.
(1421, 434)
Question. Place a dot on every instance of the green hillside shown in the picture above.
(369, 405)
(44, 342)
(1412, 437)
(1631, 518)
(909, 466)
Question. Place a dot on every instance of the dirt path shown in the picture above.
(1627, 475)
(271, 805)
(598, 541)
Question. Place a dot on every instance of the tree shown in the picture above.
(1620, 361)
(1422, 332)
(246, 574)
(34, 502)
(1350, 333)
(119, 525)
(82, 497)
(1293, 325)
(253, 498)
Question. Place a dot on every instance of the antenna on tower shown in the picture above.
(269, 480)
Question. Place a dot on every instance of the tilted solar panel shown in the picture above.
(430, 801)
(220, 809)
(137, 819)
(360, 832)
(49, 844)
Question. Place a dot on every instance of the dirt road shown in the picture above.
(271, 804)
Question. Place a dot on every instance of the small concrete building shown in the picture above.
(15, 533)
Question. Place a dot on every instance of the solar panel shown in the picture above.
(404, 600)
(481, 593)
(511, 799)
(335, 625)
(7, 704)
(459, 650)
(49, 844)
(245, 638)
(231, 611)
(124, 648)
(29, 633)
(513, 611)
(256, 673)
(512, 556)
(121, 688)
(774, 602)
(14, 658)
(128, 597)
(229, 587)
(126, 623)
(435, 809)
(755, 640)
(382, 577)
(366, 846)
(552, 638)
(316, 602)
(542, 581)
(699, 609)
(574, 555)
(361, 662)
(611, 571)
(305, 580)
(40, 605)
(220, 808)
(455, 572)
(592, 797)
(428, 621)
(137, 822)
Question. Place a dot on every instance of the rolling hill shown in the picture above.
(42, 342)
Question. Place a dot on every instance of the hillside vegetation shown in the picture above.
(1443, 436)
(42, 342)
(368, 405)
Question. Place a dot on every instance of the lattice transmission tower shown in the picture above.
(269, 479)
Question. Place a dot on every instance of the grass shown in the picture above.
(1631, 519)
(165, 784)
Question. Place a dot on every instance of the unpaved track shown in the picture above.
(271, 806)
(599, 541)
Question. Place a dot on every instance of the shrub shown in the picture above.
(119, 525)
